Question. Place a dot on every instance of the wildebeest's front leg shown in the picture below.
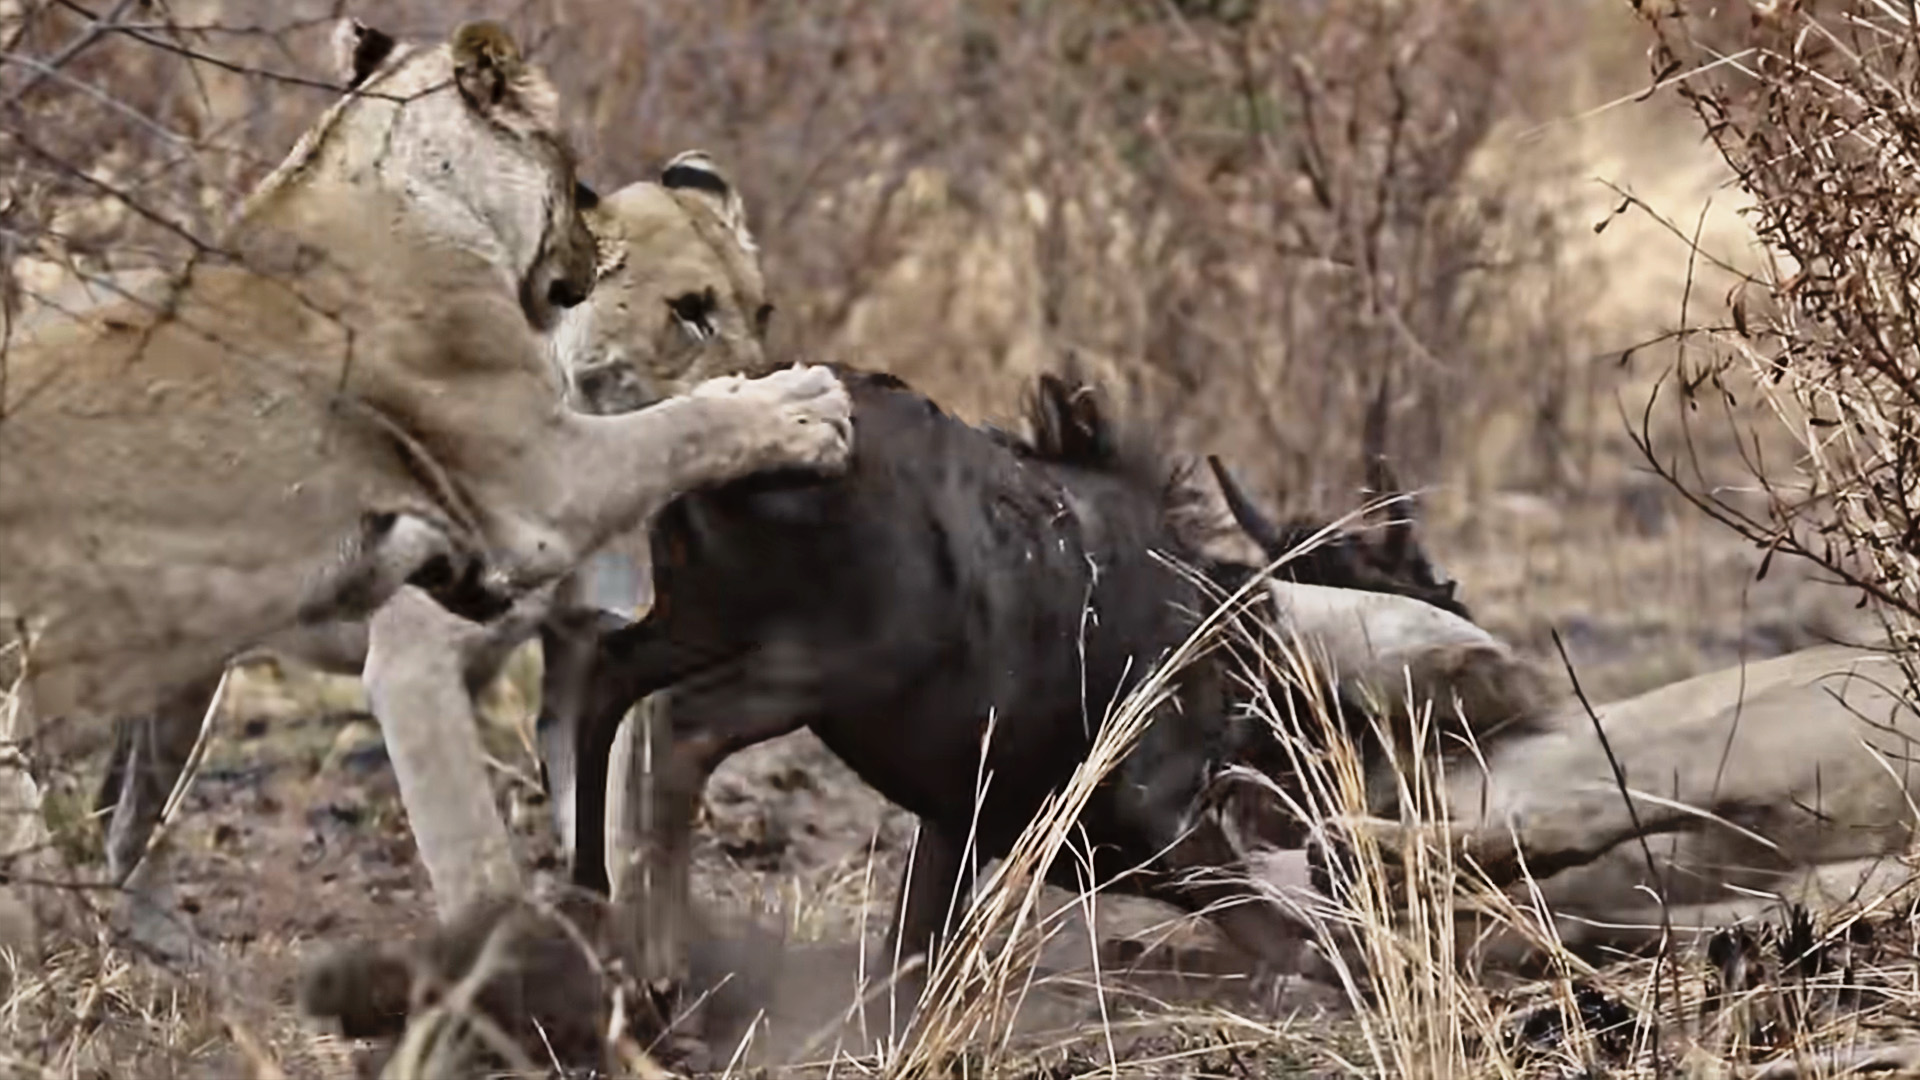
(690, 729)
(933, 888)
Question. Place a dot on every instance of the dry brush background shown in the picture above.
(1250, 218)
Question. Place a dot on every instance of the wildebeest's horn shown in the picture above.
(1256, 524)
(1380, 479)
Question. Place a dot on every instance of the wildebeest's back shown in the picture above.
(944, 578)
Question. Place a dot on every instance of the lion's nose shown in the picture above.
(564, 293)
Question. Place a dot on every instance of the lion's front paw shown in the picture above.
(721, 386)
(809, 418)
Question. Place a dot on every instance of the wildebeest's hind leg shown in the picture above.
(149, 753)
(569, 642)
(592, 678)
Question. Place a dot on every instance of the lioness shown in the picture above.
(1708, 801)
(349, 394)
(1789, 779)
(679, 298)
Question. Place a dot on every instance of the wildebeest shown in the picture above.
(953, 577)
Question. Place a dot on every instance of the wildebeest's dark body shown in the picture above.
(952, 574)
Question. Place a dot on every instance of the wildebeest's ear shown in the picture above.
(694, 172)
(358, 49)
(1062, 431)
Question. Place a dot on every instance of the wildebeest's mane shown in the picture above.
(1071, 423)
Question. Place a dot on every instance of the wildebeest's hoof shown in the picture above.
(809, 421)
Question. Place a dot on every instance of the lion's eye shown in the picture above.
(761, 317)
(694, 311)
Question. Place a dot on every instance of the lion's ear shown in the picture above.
(486, 63)
(496, 80)
(358, 49)
(694, 172)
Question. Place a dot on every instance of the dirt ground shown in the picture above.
(293, 841)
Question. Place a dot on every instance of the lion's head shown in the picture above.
(680, 296)
(466, 136)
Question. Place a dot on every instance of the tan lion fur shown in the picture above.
(1787, 779)
(657, 240)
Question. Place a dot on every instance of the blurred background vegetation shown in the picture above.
(1247, 217)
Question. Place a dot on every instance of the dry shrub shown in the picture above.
(1249, 214)
(1819, 119)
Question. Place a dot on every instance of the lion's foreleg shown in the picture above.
(416, 679)
(601, 476)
